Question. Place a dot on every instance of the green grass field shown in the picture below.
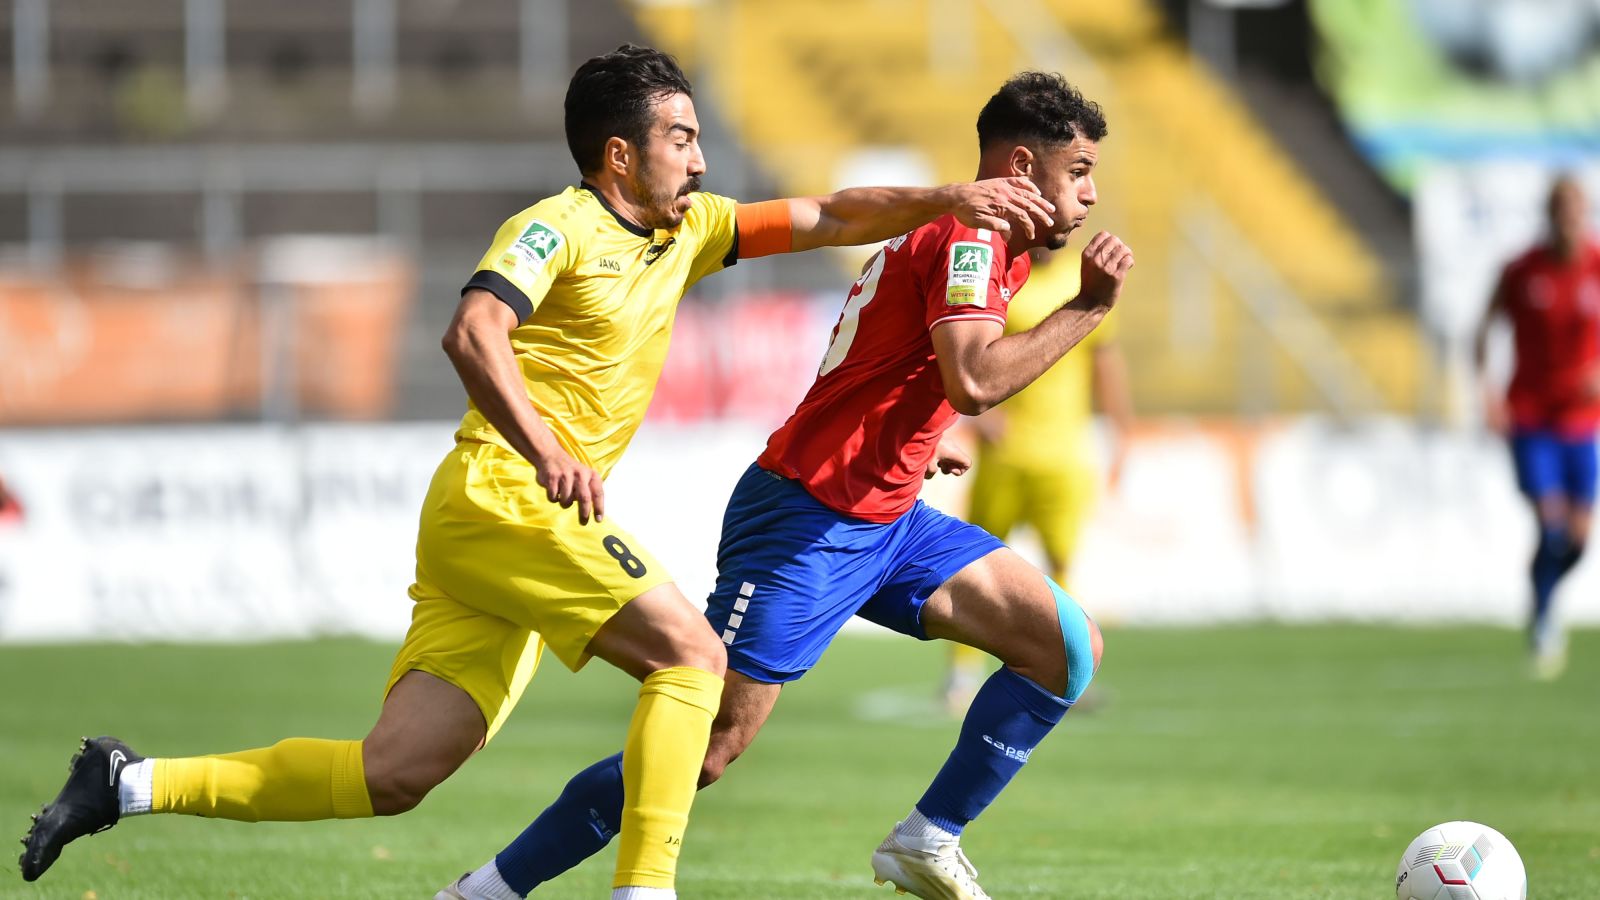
(1235, 763)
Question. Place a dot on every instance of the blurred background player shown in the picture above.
(1550, 295)
(1038, 464)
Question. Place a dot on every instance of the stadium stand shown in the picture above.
(1201, 189)
(422, 121)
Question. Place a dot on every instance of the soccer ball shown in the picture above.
(1461, 861)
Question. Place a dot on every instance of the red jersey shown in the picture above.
(1554, 306)
(863, 435)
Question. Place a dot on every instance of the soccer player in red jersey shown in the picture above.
(1551, 297)
(827, 525)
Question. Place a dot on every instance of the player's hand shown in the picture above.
(949, 459)
(1496, 417)
(1119, 462)
(1106, 262)
(568, 481)
(998, 204)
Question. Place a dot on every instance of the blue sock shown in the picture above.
(1550, 562)
(575, 827)
(1007, 719)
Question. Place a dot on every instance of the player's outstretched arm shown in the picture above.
(1495, 416)
(871, 214)
(979, 367)
(480, 350)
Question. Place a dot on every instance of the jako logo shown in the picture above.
(1010, 752)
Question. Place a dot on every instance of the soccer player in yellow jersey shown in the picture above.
(559, 338)
(1037, 460)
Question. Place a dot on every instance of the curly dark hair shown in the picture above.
(614, 95)
(1039, 108)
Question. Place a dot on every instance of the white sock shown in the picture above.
(918, 833)
(487, 884)
(133, 788)
(643, 893)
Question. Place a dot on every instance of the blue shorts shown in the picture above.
(791, 572)
(1548, 464)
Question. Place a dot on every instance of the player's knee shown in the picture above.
(1578, 536)
(392, 799)
(1038, 657)
(1097, 642)
(397, 781)
(1082, 644)
(705, 653)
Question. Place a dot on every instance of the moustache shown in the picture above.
(690, 186)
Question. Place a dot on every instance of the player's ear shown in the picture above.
(617, 154)
(1022, 161)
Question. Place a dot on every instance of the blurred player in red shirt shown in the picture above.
(1551, 297)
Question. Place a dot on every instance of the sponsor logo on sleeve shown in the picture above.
(967, 283)
(538, 243)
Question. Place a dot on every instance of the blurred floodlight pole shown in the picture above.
(543, 47)
(44, 218)
(372, 31)
(204, 51)
(279, 356)
(30, 55)
(220, 216)
(400, 203)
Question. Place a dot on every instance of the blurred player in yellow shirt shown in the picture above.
(1038, 464)
(559, 338)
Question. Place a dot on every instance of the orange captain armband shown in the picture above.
(764, 228)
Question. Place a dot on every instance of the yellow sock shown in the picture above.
(660, 768)
(294, 780)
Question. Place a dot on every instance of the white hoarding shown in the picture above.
(250, 532)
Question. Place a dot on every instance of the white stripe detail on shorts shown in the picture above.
(728, 636)
(747, 590)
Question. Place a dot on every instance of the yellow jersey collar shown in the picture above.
(630, 227)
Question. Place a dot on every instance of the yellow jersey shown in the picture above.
(1054, 412)
(595, 295)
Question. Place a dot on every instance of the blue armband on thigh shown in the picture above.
(1075, 637)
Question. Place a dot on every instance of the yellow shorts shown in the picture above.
(1054, 497)
(502, 572)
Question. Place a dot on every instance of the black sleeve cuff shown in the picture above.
(501, 287)
(733, 251)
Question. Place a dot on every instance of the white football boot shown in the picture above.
(452, 891)
(941, 872)
(1549, 650)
